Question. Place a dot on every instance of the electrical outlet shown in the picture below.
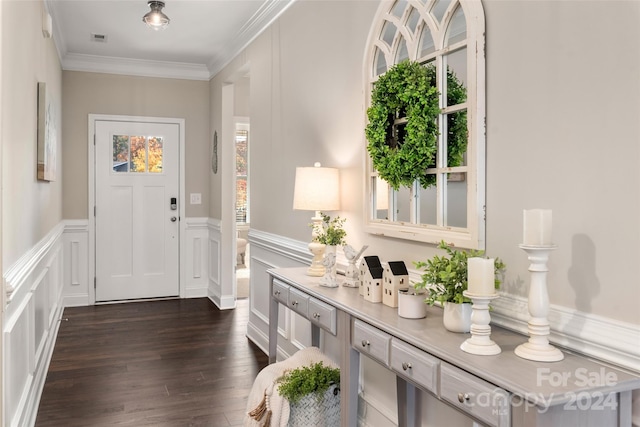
(196, 198)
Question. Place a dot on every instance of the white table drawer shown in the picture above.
(415, 365)
(298, 302)
(323, 315)
(371, 341)
(280, 292)
(478, 398)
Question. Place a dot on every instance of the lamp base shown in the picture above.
(316, 269)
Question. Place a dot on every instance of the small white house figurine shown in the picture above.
(329, 279)
(372, 282)
(396, 277)
(362, 269)
(352, 275)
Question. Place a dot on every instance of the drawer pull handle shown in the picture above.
(406, 365)
(294, 303)
(463, 397)
(365, 343)
(277, 293)
(316, 315)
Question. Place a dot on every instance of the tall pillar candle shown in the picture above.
(481, 276)
(537, 227)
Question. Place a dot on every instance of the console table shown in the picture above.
(501, 390)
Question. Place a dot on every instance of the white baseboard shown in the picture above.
(201, 292)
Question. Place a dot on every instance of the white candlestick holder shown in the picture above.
(480, 342)
(538, 347)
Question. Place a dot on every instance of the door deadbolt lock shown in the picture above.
(174, 203)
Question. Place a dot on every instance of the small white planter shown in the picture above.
(411, 305)
(457, 317)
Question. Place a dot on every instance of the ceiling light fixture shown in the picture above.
(155, 18)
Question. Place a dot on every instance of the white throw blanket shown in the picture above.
(265, 406)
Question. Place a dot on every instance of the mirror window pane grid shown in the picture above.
(435, 33)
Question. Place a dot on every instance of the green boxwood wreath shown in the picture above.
(402, 154)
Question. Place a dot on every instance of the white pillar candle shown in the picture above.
(481, 276)
(537, 227)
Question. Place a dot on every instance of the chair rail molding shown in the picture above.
(603, 338)
(18, 273)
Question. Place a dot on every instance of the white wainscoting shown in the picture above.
(31, 321)
(76, 289)
(196, 275)
(214, 288)
(270, 251)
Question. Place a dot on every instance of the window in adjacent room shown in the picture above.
(242, 175)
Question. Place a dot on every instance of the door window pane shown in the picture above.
(155, 154)
(120, 153)
(138, 154)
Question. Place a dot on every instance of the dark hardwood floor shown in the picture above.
(161, 363)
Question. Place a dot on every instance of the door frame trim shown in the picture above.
(93, 118)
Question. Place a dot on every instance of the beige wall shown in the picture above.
(563, 134)
(94, 93)
(30, 208)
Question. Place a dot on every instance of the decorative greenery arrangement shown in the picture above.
(447, 275)
(403, 131)
(299, 382)
(330, 232)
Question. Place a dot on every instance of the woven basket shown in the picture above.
(317, 412)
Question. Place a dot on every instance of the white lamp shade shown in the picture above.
(316, 189)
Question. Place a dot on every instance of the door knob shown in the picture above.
(173, 219)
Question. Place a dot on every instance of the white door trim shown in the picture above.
(92, 196)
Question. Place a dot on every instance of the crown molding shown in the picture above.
(261, 20)
(134, 67)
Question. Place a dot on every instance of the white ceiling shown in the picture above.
(202, 37)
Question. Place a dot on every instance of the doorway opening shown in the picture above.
(242, 196)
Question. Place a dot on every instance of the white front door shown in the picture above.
(137, 217)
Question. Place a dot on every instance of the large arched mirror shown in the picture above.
(447, 202)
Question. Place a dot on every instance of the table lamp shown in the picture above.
(316, 189)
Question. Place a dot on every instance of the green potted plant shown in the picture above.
(330, 232)
(313, 394)
(445, 277)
